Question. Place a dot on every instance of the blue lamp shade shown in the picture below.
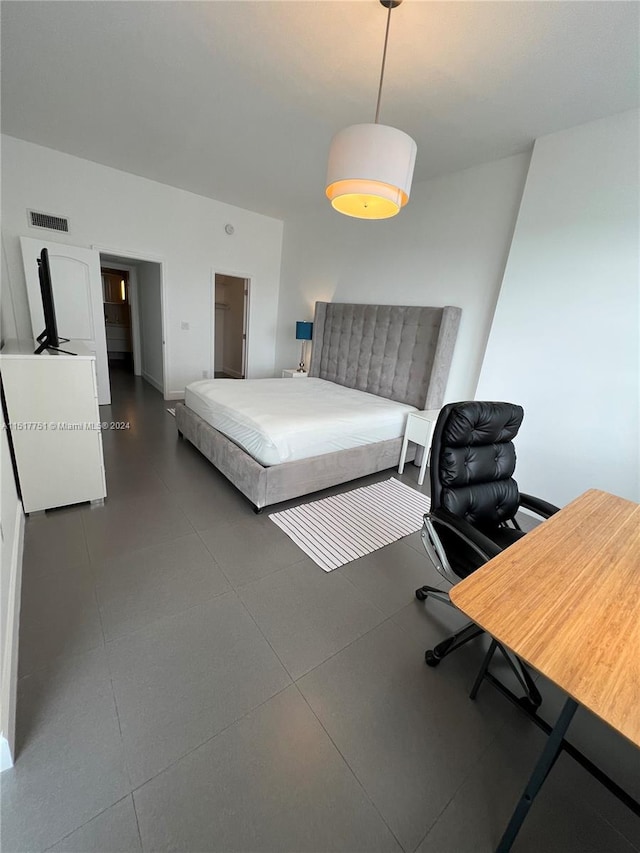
(304, 331)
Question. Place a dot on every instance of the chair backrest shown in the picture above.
(473, 460)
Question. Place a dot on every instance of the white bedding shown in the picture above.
(281, 420)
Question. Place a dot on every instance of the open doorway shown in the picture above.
(230, 326)
(138, 348)
(116, 298)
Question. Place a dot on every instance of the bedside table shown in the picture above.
(292, 373)
(419, 429)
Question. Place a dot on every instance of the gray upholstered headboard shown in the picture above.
(402, 352)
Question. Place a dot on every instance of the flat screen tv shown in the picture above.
(48, 339)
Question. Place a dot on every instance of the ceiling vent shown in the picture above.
(46, 220)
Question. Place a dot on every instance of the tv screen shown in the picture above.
(49, 337)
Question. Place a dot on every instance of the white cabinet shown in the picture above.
(52, 407)
(292, 373)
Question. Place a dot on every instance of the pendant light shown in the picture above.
(371, 165)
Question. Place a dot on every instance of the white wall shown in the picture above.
(131, 216)
(8, 328)
(447, 247)
(12, 521)
(564, 341)
(150, 318)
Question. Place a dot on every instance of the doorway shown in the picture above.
(143, 352)
(230, 326)
(116, 297)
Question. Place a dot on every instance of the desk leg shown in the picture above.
(546, 761)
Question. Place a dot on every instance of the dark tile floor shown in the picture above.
(190, 681)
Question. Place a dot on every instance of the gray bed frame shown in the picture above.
(400, 352)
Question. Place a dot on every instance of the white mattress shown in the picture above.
(281, 420)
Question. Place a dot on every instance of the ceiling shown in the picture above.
(238, 100)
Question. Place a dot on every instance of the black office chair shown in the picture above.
(474, 500)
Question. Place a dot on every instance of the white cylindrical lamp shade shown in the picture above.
(370, 170)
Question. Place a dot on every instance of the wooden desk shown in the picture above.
(566, 599)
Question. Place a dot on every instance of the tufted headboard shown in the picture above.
(401, 352)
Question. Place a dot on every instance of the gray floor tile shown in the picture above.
(415, 542)
(122, 452)
(408, 733)
(113, 831)
(272, 782)
(123, 525)
(136, 588)
(133, 481)
(59, 615)
(53, 540)
(184, 678)
(390, 576)
(214, 505)
(569, 776)
(70, 762)
(181, 466)
(308, 615)
(558, 821)
(251, 549)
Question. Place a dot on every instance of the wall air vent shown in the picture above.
(46, 220)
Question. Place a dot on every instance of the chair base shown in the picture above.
(464, 635)
(530, 701)
(424, 592)
(451, 644)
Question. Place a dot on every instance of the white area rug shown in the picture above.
(172, 412)
(336, 530)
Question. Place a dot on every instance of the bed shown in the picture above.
(389, 353)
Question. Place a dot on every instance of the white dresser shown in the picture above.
(52, 407)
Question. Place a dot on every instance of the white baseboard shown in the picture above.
(230, 372)
(153, 381)
(10, 658)
(174, 395)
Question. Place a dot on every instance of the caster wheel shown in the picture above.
(420, 595)
(430, 658)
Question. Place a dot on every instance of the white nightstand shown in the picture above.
(292, 373)
(419, 429)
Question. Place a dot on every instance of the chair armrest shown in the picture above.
(537, 505)
(467, 533)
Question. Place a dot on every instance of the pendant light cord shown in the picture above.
(384, 59)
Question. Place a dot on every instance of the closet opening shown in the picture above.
(230, 323)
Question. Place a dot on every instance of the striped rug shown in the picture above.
(336, 530)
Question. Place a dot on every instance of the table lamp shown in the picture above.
(304, 333)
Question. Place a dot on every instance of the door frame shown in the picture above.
(248, 280)
(134, 256)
